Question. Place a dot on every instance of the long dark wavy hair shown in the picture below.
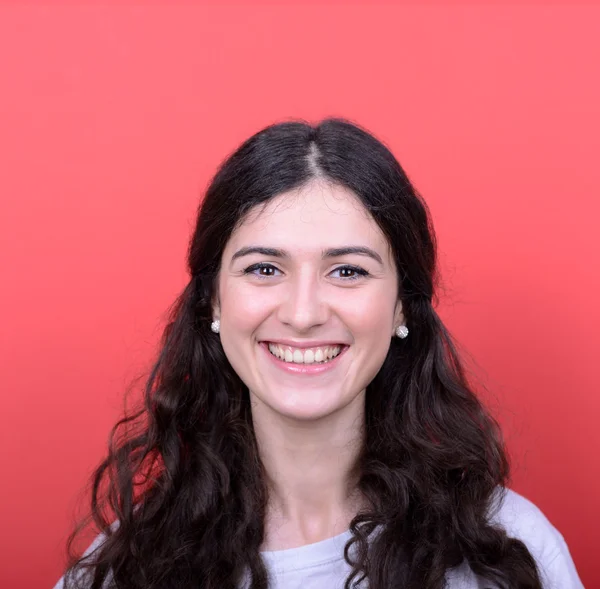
(183, 480)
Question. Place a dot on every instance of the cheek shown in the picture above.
(242, 307)
(371, 325)
(370, 316)
(372, 349)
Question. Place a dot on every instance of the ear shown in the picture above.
(399, 318)
(216, 311)
(216, 305)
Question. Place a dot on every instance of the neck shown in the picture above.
(311, 473)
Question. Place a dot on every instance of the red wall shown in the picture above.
(113, 119)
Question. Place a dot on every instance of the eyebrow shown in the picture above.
(328, 253)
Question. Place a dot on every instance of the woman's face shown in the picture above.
(299, 296)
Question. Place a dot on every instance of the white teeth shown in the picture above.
(308, 356)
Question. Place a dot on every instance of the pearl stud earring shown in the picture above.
(216, 326)
(402, 331)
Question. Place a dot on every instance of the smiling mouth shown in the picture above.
(304, 357)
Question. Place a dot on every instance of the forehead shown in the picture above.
(315, 216)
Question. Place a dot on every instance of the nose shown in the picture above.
(303, 305)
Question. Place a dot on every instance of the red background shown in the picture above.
(112, 120)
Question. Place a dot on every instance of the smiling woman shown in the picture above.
(307, 301)
(308, 422)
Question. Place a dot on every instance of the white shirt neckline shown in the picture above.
(309, 555)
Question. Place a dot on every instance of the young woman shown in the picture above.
(308, 422)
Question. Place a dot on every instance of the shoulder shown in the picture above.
(97, 542)
(524, 520)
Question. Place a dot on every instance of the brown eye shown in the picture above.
(261, 266)
(347, 270)
(358, 272)
(265, 268)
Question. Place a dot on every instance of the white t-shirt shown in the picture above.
(322, 566)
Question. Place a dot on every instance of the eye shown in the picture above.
(358, 272)
(260, 266)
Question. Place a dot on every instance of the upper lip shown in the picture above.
(304, 343)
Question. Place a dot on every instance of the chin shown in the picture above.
(303, 409)
(307, 415)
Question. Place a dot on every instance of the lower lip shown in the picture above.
(294, 368)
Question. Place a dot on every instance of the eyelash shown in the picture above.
(361, 273)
